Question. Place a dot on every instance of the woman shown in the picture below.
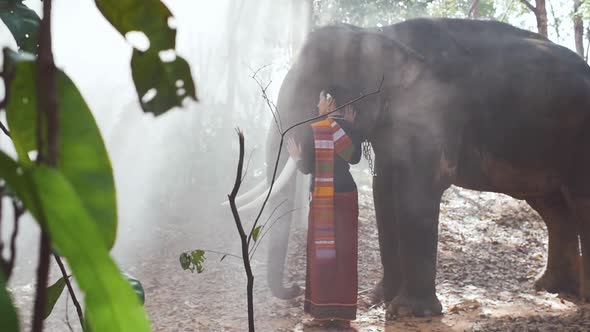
(328, 148)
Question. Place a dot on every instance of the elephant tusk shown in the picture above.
(248, 196)
(281, 181)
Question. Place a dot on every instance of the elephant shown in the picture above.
(478, 104)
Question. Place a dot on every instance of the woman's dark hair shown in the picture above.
(341, 94)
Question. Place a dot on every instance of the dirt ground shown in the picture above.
(491, 249)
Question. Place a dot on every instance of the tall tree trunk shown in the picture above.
(474, 10)
(541, 14)
(540, 11)
(578, 28)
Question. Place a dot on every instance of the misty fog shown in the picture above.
(175, 169)
(179, 167)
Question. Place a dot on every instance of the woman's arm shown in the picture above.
(303, 153)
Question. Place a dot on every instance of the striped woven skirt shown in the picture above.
(331, 287)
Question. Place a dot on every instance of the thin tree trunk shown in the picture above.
(47, 106)
(578, 28)
(474, 10)
(541, 14)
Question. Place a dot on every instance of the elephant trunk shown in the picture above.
(250, 195)
(277, 254)
(282, 180)
(283, 193)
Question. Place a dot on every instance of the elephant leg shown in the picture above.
(387, 288)
(562, 271)
(577, 196)
(417, 197)
(581, 209)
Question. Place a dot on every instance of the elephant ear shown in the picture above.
(392, 56)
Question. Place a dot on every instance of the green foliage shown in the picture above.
(8, 318)
(53, 293)
(22, 22)
(83, 158)
(148, 16)
(460, 8)
(110, 301)
(171, 82)
(75, 203)
(256, 233)
(161, 83)
(384, 12)
(584, 10)
(368, 12)
(193, 260)
(22, 102)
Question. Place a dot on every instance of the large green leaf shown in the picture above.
(161, 85)
(111, 303)
(148, 16)
(22, 22)
(8, 317)
(22, 102)
(53, 293)
(83, 157)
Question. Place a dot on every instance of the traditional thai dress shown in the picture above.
(331, 281)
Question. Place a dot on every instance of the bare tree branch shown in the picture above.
(3, 263)
(529, 6)
(243, 237)
(271, 106)
(266, 230)
(223, 253)
(67, 317)
(18, 211)
(264, 225)
(70, 289)
(247, 165)
(4, 129)
(556, 19)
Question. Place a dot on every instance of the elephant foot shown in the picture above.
(379, 293)
(405, 305)
(558, 282)
(287, 293)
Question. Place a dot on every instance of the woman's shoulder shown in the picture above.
(344, 124)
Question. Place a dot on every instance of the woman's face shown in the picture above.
(325, 104)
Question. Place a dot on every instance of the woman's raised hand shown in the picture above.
(294, 149)
(349, 113)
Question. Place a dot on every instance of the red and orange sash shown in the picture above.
(328, 138)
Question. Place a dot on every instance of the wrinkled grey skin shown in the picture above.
(478, 104)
